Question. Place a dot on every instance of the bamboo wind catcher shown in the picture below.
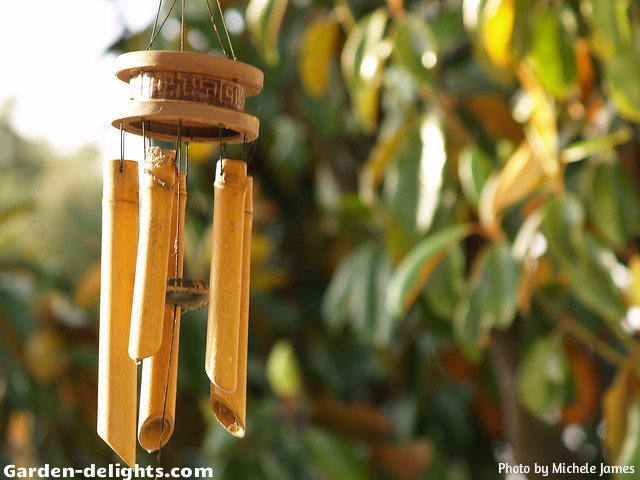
(226, 274)
(117, 373)
(157, 181)
(230, 407)
(178, 97)
(157, 417)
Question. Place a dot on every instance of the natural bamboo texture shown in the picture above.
(223, 324)
(230, 408)
(160, 372)
(117, 373)
(158, 175)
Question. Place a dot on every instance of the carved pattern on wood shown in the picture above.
(191, 87)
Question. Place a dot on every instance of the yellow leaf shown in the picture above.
(615, 401)
(318, 47)
(634, 284)
(497, 27)
(45, 355)
(87, 290)
(520, 176)
(543, 131)
(379, 158)
(283, 371)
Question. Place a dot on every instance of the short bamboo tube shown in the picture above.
(221, 362)
(117, 373)
(157, 180)
(230, 408)
(158, 373)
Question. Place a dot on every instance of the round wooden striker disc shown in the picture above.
(200, 123)
(204, 91)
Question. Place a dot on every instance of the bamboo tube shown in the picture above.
(117, 373)
(160, 371)
(221, 361)
(157, 180)
(230, 408)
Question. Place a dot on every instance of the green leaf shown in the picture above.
(563, 226)
(336, 458)
(445, 285)
(622, 78)
(264, 18)
(543, 379)
(283, 371)
(362, 67)
(586, 148)
(553, 53)
(471, 326)
(414, 270)
(416, 47)
(356, 294)
(497, 285)
(491, 299)
(474, 168)
(413, 185)
(335, 304)
(368, 316)
(610, 25)
(582, 258)
(615, 204)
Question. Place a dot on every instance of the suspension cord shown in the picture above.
(224, 24)
(182, 30)
(153, 38)
(213, 22)
(176, 246)
(155, 22)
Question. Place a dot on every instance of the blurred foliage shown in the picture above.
(446, 260)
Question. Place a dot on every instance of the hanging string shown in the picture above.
(224, 24)
(121, 147)
(155, 22)
(182, 30)
(213, 22)
(155, 34)
(144, 141)
(186, 164)
(178, 159)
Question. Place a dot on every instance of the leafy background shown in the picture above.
(445, 265)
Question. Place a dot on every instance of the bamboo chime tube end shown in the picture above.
(117, 373)
(221, 362)
(160, 372)
(230, 408)
(157, 180)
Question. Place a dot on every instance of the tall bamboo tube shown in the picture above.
(230, 408)
(157, 180)
(221, 361)
(160, 371)
(117, 373)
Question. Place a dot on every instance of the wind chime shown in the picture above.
(183, 97)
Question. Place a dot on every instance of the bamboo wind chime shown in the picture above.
(182, 97)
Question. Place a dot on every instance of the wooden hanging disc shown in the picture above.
(130, 64)
(207, 93)
(200, 123)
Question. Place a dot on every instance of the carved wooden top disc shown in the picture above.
(204, 91)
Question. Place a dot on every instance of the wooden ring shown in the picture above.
(131, 64)
(200, 123)
(205, 92)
